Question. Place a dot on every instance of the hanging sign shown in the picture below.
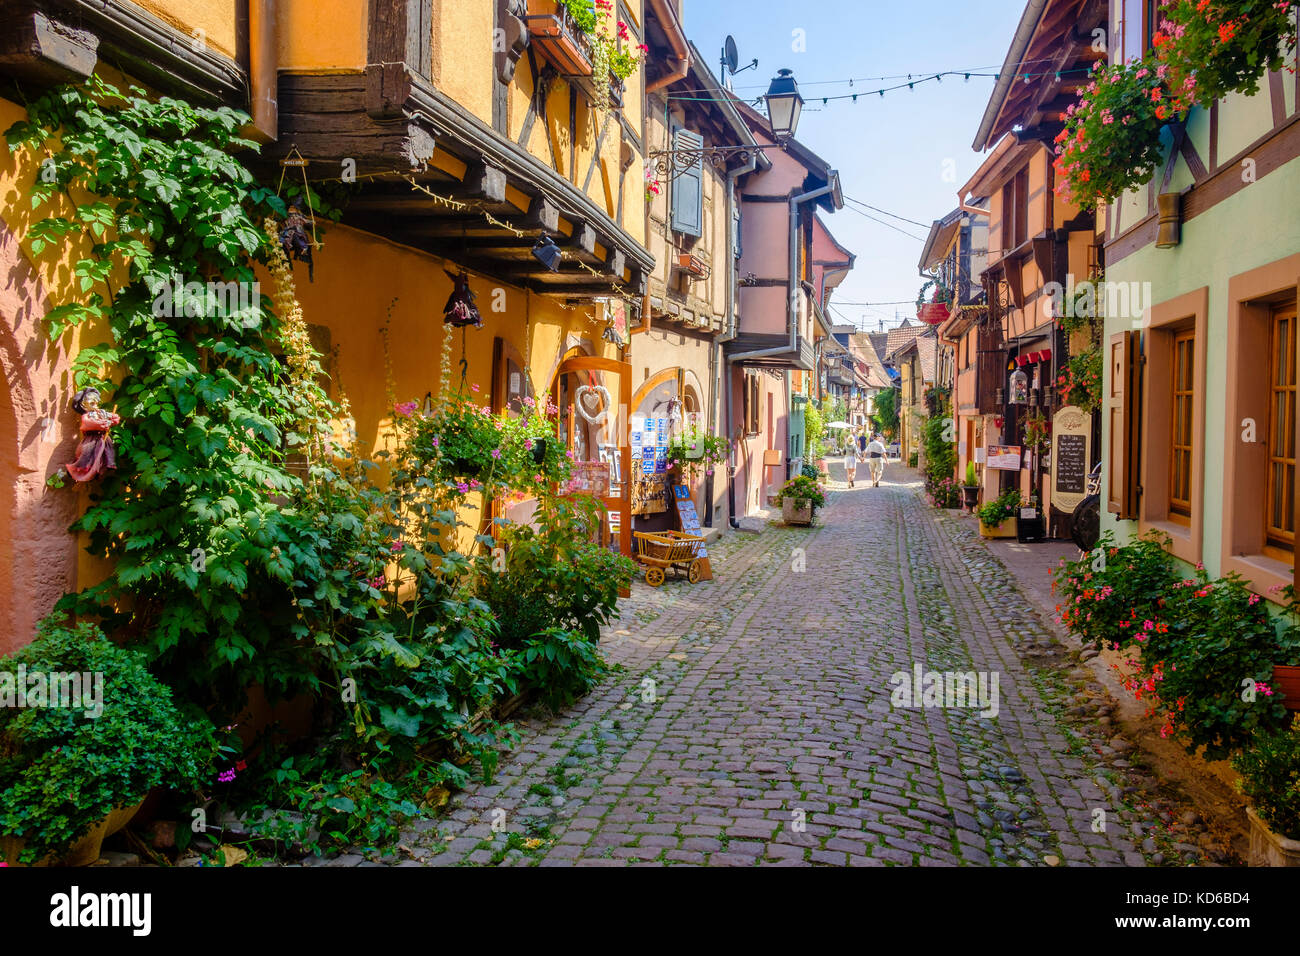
(1004, 457)
(1072, 450)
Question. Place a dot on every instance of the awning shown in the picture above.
(1044, 355)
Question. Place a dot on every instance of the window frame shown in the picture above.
(1182, 409)
(1252, 298)
(1280, 543)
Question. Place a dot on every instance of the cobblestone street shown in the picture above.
(749, 720)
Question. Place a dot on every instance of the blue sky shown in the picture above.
(893, 151)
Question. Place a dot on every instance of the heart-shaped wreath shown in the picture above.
(593, 403)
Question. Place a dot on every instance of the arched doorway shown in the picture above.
(593, 395)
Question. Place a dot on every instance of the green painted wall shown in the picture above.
(1258, 225)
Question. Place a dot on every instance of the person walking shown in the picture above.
(850, 460)
(876, 453)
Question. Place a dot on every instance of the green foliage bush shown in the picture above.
(1205, 649)
(1006, 505)
(63, 769)
(1270, 777)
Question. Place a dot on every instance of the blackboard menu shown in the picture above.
(1071, 464)
(690, 521)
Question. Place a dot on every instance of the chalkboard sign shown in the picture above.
(1071, 464)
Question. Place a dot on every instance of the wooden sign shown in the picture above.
(1004, 457)
(1072, 450)
(690, 522)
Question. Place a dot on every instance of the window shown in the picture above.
(1260, 428)
(1279, 517)
(1180, 428)
(750, 410)
(1015, 211)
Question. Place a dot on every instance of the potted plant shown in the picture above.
(562, 30)
(800, 498)
(69, 772)
(971, 489)
(998, 517)
(1269, 772)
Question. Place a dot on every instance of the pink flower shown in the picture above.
(528, 444)
(1263, 689)
(226, 776)
(397, 546)
(474, 388)
(496, 452)
(475, 483)
(434, 442)
(1254, 599)
(538, 478)
(406, 409)
(462, 487)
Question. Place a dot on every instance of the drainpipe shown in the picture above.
(724, 368)
(792, 318)
(667, 16)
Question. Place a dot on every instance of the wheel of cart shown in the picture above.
(693, 572)
(654, 576)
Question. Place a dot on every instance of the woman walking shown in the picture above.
(850, 460)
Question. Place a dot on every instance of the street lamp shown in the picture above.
(783, 105)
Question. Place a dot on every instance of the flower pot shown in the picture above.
(119, 818)
(797, 511)
(970, 496)
(1287, 680)
(82, 853)
(1007, 529)
(556, 36)
(1268, 848)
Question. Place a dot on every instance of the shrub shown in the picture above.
(62, 769)
(1270, 777)
(803, 488)
(562, 665)
(1000, 509)
(1112, 585)
(972, 475)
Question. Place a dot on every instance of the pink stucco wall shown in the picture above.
(38, 556)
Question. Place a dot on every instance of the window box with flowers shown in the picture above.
(562, 31)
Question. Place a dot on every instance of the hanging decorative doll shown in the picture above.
(95, 454)
(294, 238)
(460, 309)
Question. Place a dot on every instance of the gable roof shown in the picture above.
(899, 338)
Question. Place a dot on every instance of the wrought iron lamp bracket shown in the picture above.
(672, 163)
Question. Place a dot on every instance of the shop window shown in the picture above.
(1173, 423)
(1259, 499)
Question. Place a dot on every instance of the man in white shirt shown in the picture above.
(876, 453)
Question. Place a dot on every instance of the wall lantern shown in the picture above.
(1169, 232)
(784, 105)
(1019, 387)
(548, 253)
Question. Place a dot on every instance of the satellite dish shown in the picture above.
(730, 55)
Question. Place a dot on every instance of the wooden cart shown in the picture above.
(668, 549)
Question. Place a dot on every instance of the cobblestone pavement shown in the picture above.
(749, 721)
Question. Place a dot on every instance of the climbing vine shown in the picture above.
(161, 221)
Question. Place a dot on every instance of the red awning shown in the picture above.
(1029, 357)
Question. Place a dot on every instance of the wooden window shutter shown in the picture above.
(1122, 454)
(688, 186)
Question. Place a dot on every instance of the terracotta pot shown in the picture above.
(1287, 680)
(797, 510)
(1268, 848)
(82, 853)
